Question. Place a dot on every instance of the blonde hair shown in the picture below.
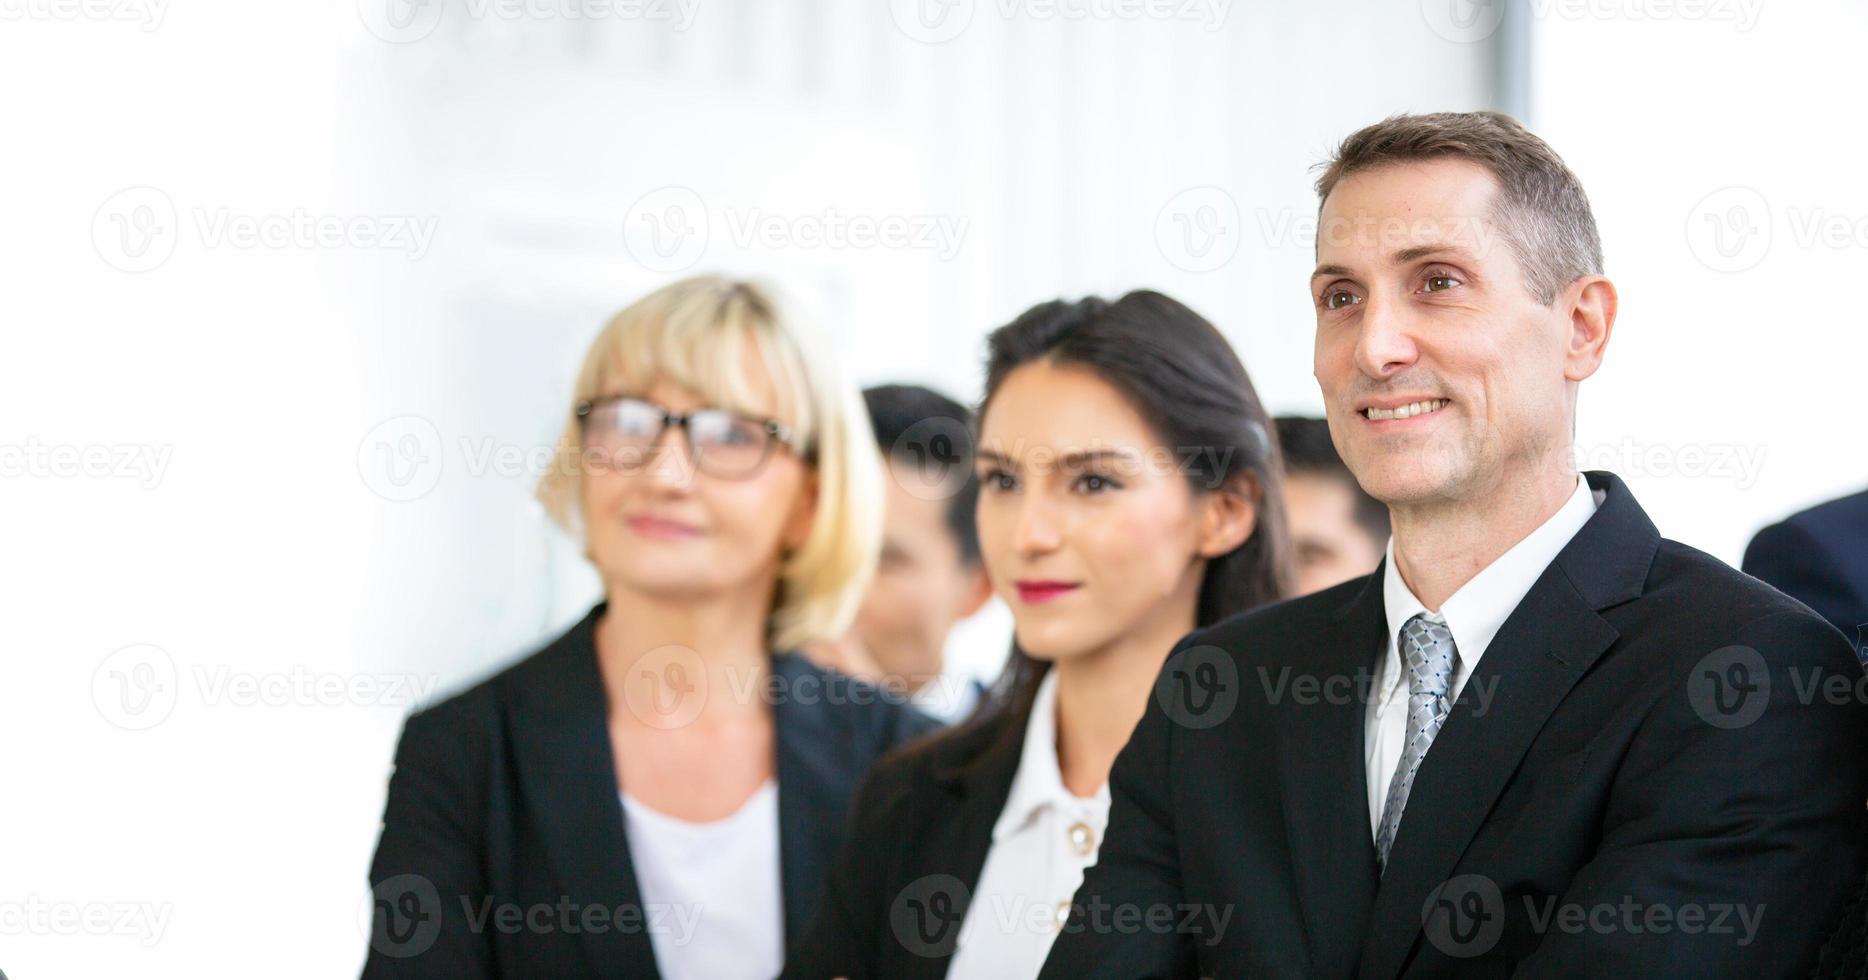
(695, 333)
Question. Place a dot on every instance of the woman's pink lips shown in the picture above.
(655, 527)
(1034, 592)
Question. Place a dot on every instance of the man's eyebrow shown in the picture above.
(990, 456)
(1329, 270)
(1418, 252)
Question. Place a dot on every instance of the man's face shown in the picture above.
(922, 586)
(1331, 546)
(1442, 375)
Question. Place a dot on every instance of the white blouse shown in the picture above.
(711, 893)
(1043, 841)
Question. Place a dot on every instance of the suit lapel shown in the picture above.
(561, 744)
(1549, 641)
(1321, 766)
(814, 780)
(974, 780)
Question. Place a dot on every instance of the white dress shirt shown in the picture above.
(1473, 614)
(711, 897)
(1044, 839)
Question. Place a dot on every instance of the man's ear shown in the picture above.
(1592, 304)
(1228, 516)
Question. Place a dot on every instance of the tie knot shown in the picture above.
(1427, 650)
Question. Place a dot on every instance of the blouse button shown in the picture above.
(1082, 838)
(1063, 912)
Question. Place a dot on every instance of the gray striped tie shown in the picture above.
(1428, 654)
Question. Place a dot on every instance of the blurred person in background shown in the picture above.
(1129, 492)
(1819, 557)
(1338, 531)
(930, 576)
(659, 791)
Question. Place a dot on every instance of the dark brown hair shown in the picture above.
(1184, 379)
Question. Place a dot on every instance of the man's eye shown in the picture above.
(1336, 299)
(1438, 283)
(998, 480)
(1093, 483)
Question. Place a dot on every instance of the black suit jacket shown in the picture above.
(506, 796)
(1820, 558)
(920, 832)
(1657, 750)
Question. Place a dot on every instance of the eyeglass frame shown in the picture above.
(778, 432)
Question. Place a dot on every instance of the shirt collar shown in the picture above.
(1479, 608)
(1039, 782)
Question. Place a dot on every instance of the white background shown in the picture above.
(290, 483)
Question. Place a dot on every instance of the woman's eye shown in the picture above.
(1336, 299)
(998, 480)
(1095, 483)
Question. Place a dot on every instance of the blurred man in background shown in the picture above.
(930, 576)
(1819, 557)
(1338, 531)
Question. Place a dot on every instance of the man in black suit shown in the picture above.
(1540, 739)
(1820, 558)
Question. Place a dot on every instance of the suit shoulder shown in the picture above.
(1714, 601)
(1266, 629)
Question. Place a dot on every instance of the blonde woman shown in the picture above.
(659, 791)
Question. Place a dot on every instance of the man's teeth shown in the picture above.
(1406, 411)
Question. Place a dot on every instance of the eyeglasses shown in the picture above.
(622, 431)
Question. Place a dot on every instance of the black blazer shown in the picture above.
(919, 835)
(506, 794)
(1614, 764)
(1820, 558)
